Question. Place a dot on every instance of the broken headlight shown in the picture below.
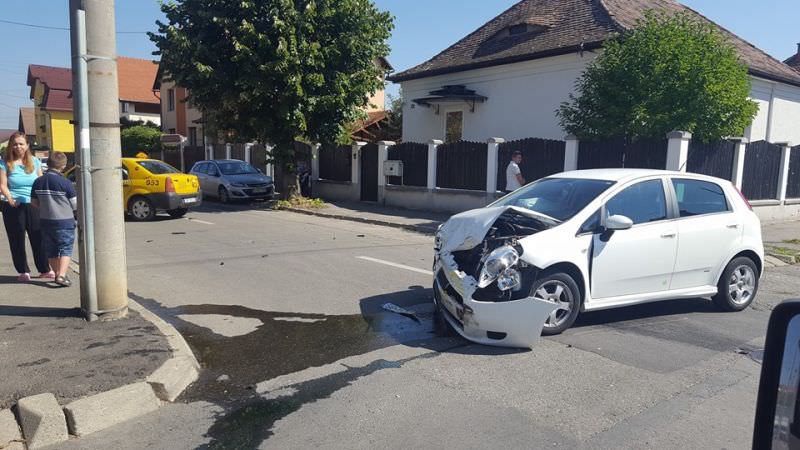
(499, 265)
(437, 238)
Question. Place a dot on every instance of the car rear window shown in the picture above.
(157, 167)
(696, 197)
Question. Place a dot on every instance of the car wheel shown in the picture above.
(738, 285)
(223, 195)
(177, 213)
(141, 209)
(561, 289)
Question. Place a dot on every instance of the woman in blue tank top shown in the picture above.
(18, 170)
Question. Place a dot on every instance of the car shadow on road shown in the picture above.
(216, 207)
(646, 311)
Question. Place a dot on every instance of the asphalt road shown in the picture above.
(285, 313)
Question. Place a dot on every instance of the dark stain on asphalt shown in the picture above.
(38, 362)
(248, 426)
(284, 343)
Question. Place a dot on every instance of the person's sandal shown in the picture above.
(63, 281)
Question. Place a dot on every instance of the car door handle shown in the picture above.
(668, 235)
(733, 225)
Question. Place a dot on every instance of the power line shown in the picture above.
(45, 27)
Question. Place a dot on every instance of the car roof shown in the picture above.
(622, 175)
(221, 160)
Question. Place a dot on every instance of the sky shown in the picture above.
(423, 28)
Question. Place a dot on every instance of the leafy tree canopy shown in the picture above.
(140, 138)
(669, 73)
(275, 71)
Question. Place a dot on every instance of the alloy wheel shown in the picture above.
(554, 291)
(742, 284)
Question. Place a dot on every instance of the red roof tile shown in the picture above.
(136, 79)
(566, 26)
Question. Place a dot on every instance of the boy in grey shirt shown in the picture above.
(57, 201)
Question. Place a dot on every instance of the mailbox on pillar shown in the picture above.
(393, 168)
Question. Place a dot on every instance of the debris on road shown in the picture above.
(391, 307)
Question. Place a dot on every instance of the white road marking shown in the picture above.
(399, 266)
(198, 221)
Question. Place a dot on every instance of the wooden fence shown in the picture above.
(238, 151)
(335, 162)
(619, 152)
(713, 158)
(762, 166)
(415, 164)
(540, 158)
(219, 151)
(793, 187)
(462, 165)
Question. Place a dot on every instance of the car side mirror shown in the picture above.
(777, 421)
(618, 222)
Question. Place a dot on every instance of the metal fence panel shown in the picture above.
(793, 188)
(258, 157)
(540, 158)
(172, 156)
(712, 158)
(191, 155)
(219, 151)
(462, 165)
(237, 151)
(762, 166)
(335, 162)
(415, 164)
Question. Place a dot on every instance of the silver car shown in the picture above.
(232, 179)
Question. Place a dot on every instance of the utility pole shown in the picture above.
(104, 228)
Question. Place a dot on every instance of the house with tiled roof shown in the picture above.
(27, 124)
(508, 77)
(51, 92)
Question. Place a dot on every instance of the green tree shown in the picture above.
(140, 138)
(276, 71)
(668, 73)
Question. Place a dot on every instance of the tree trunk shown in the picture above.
(291, 188)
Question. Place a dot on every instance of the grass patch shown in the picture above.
(792, 241)
(300, 202)
(784, 251)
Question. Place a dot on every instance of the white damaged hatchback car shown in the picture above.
(587, 240)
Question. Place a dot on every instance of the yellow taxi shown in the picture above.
(150, 185)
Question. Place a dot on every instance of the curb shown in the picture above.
(106, 409)
(422, 229)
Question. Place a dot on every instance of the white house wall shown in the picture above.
(523, 98)
(778, 118)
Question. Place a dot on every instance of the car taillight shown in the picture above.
(743, 197)
(168, 185)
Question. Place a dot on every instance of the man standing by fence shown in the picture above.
(514, 178)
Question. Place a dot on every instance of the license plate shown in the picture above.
(259, 190)
(190, 200)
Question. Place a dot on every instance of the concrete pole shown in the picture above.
(433, 149)
(315, 162)
(571, 148)
(227, 151)
(492, 149)
(738, 161)
(109, 232)
(783, 180)
(80, 89)
(678, 150)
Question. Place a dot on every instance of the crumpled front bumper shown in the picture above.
(516, 323)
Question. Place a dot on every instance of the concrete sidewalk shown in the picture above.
(51, 356)
(424, 222)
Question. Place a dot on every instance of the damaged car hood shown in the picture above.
(468, 229)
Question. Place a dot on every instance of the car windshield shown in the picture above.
(559, 198)
(236, 168)
(157, 167)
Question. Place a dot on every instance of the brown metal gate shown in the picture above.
(369, 173)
